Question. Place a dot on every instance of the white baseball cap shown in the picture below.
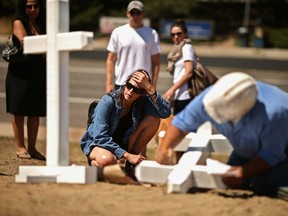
(135, 5)
(231, 97)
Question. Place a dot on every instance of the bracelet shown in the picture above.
(153, 94)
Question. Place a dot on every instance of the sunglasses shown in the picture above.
(32, 5)
(135, 12)
(135, 89)
(177, 33)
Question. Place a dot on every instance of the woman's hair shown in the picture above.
(139, 102)
(41, 18)
(180, 23)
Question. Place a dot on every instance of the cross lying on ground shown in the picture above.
(195, 168)
(57, 44)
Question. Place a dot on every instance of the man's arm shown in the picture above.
(110, 70)
(155, 59)
(164, 151)
(235, 176)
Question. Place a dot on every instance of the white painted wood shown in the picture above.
(220, 144)
(190, 158)
(196, 173)
(75, 41)
(179, 180)
(202, 179)
(184, 144)
(182, 178)
(205, 129)
(35, 44)
(57, 85)
(60, 174)
(65, 42)
(152, 172)
(195, 168)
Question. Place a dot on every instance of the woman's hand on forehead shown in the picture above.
(142, 80)
(140, 77)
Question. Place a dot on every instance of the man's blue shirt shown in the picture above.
(262, 132)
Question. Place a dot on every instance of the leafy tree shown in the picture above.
(84, 14)
(7, 8)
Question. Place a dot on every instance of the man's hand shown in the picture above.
(164, 156)
(234, 176)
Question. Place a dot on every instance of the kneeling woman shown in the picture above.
(124, 121)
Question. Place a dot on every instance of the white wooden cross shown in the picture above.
(57, 43)
(195, 168)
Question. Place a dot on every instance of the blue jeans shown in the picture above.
(266, 183)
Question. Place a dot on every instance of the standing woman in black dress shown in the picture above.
(26, 81)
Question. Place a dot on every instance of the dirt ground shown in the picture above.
(105, 198)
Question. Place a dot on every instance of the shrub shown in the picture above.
(278, 37)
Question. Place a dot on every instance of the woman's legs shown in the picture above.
(18, 128)
(101, 157)
(145, 131)
(32, 131)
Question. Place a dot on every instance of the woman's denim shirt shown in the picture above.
(106, 119)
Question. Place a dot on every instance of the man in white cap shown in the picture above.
(131, 47)
(254, 117)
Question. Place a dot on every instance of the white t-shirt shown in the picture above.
(134, 48)
(187, 54)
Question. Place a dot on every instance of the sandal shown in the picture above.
(38, 156)
(24, 155)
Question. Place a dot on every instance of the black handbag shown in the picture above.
(91, 109)
(12, 53)
(201, 79)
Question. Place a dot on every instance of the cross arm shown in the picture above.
(70, 41)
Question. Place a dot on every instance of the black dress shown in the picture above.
(26, 85)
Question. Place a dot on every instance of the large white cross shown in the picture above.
(57, 43)
(195, 168)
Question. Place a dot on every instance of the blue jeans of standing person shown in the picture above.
(266, 183)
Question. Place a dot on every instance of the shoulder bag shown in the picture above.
(12, 53)
(91, 110)
(201, 79)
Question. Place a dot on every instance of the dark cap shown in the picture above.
(135, 5)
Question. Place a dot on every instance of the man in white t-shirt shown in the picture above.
(132, 46)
